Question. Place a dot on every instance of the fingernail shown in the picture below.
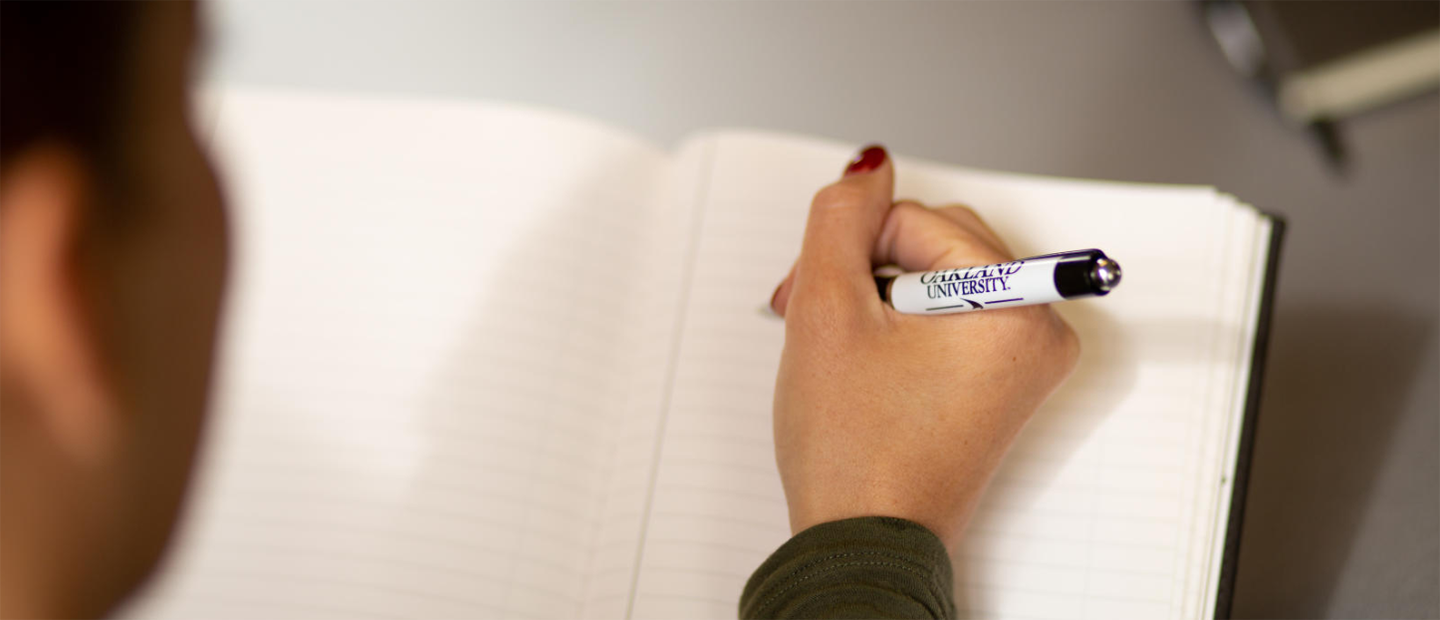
(869, 158)
(775, 295)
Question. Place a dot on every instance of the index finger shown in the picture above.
(920, 239)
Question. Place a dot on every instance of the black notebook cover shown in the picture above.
(1225, 595)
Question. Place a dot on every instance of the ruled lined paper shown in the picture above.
(487, 361)
(1106, 506)
(440, 313)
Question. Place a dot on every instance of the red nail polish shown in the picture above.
(869, 158)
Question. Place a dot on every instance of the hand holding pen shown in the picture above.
(882, 413)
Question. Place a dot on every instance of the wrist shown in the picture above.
(938, 526)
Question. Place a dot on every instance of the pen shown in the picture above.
(1025, 282)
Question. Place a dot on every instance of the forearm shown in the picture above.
(871, 567)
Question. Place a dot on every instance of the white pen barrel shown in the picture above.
(1018, 283)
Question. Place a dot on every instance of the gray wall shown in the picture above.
(1343, 503)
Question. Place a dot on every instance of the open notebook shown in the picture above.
(482, 360)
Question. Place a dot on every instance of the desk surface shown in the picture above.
(1344, 504)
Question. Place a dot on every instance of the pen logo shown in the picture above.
(974, 305)
(969, 281)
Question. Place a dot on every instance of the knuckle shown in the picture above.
(914, 211)
(1068, 347)
(1042, 334)
(960, 211)
(1059, 349)
(824, 317)
(970, 249)
(908, 204)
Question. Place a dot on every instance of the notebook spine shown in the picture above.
(1229, 563)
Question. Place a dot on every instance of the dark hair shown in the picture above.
(62, 71)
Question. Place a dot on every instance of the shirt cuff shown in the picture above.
(869, 567)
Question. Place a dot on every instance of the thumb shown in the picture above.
(845, 222)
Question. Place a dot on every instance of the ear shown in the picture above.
(51, 360)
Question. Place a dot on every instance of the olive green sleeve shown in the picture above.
(871, 567)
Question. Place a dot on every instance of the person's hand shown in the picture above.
(879, 413)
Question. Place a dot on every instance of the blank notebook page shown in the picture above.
(437, 315)
(1103, 509)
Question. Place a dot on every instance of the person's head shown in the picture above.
(112, 261)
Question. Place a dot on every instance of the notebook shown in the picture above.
(487, 360)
